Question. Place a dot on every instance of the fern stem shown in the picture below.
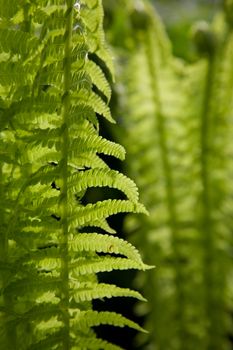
(206, 222)
(215, 260)
(11, 337)
(169, 184)
(64, 172)
(207, 225)
(26, 25)
(4, 240)
(11, 332)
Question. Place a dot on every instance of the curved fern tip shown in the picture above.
(148, 267)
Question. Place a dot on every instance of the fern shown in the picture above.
(178, 146)
(214, 196)
(50, 156)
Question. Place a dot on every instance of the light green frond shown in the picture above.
(159, 32)
(101, 178)
(7, 11)
(42, 104)
(52, 75)
(86, 319)
(98, 78)
(44, 175)
(83, 216)
(104, 264)
(43, 13)
(93, 19)
(94, 343)
(94, 7)
(104, 225)
(100, 145)
(54, 86)
(16, 42)
(15, 73)
(92, 291)
(46, 157)
(44, 137)
(96, 242)
(100, 107)
(41, 254)
(85, 160)
(80, 111)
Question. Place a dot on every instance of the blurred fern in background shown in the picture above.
(179, 143)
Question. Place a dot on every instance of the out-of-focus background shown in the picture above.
(173, 101)
(179, 16)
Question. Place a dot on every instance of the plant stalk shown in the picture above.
(64, 173)
(169, 184)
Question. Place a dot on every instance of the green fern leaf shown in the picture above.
(104, 225)
(84, 216)
(97, 144)
(103, 264)
(90, 291)
(100, 178)
(98, 78)
(16, 42)
(99, 243)
(94, 343)
(101, 107)
(54, 86)
(37, 285)
(49, 342)
(86, 319)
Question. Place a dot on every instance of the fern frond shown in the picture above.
(87, 160)
(105, 264)
(7, 11)
(103, 178)
(44, 13)
(15, 73)
(44, 175)
(91, 291)
(54, 87)
(17, 42)
(100, 107)
(96, 143)
(94, 343)
(104, 225)
(87, 319)
(40, 312)
(99, 79)
(36, 284)
(184, 111)
(49, 342)
(99, 243)
(84, 216)
(97, 42)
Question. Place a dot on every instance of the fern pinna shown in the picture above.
(179, 148)
(52, 90)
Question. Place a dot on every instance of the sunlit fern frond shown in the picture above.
(53, 89)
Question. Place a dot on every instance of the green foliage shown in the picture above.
(53, 86)
(179, 147)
